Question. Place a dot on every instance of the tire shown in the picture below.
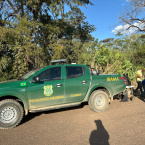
(98, 101)
(11, 114)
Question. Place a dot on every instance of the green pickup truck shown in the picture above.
(54, 87)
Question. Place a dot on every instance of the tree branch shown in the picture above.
(133, 15)
(12, 6)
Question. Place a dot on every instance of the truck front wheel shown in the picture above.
(11, 113)
(98, 101)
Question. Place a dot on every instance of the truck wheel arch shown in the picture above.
(101, 88)
(25, 107)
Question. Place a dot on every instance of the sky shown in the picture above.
(105, 16)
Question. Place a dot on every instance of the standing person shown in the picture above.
(139, 81)
(143, 84)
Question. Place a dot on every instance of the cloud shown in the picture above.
(123, 29)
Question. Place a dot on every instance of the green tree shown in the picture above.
(36, 31)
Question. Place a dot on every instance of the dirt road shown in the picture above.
(120, 124)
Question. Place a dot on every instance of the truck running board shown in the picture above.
(54, 107)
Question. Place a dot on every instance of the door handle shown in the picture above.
(84, 82)
(59, 85)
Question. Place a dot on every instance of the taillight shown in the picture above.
(124, 79)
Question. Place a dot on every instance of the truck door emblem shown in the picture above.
(48, 91)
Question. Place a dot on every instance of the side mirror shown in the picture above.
(35, 79)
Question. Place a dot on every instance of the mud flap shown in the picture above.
(125, 96)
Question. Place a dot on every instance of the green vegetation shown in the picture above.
(34, 32)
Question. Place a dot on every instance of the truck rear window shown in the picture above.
(73, 71)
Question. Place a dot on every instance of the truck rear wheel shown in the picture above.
(11, 113)
(98, 101)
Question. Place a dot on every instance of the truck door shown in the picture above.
(76, 83)
(49, 91)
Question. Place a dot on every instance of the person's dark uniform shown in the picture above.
(143, 93)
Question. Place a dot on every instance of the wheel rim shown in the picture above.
(8, 114)
(99, 101)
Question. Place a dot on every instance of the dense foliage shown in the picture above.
(34, 32)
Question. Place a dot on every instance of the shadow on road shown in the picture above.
(141, 98)
(99, 136)
(137, 95)
(31, 116)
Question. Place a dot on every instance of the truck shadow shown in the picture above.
(99, 136)
(31, 116)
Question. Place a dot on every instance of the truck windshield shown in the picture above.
(29, 74)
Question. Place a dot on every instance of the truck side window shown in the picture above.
(50, 74)
(74, 71)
